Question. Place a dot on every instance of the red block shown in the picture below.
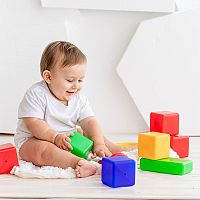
(180, 144)
(118, 154)
(8, 158)
(114, 155)
(164, 122)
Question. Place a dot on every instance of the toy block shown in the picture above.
(164, 122)
(118, 171)
(127, 144)
(114, 155)
(8, 158)
(153, 145)
(81, 145)
(118, 154)
(175, 166)
(180, 144)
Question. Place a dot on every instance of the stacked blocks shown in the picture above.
(154, 153)
(118, 171)
(81, 145)
(8, 158)
(168, 122)
(153, 145)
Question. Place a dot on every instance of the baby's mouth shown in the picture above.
(71, 93)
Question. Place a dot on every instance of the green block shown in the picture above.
(167, 165)
(81, 145)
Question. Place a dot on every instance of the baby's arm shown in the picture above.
(41, 130)
(92, 128)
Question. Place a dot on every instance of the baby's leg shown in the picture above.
(43, 153)
(116, 148)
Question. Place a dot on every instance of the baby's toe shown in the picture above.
(78, 174)
(77, 168)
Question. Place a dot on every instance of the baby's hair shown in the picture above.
(62, 54)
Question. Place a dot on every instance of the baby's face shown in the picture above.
(66, 82)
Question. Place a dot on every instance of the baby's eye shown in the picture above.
(70, 81)
(80, 80)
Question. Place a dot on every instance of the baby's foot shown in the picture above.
(84, 169)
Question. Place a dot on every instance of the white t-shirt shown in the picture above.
(38, 102)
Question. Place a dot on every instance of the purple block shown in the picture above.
(118, 171)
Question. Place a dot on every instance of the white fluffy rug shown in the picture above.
(28, 170)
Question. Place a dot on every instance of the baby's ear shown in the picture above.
(47, 76)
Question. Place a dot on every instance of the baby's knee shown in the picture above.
(43, 153)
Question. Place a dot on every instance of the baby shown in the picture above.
(52, 109)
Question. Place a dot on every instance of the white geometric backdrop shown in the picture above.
(161, 68)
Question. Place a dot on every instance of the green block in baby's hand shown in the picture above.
(81, 145)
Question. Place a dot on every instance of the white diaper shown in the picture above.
(19, 142)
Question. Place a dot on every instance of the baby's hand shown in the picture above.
(101, 150)
(80, 130)
(63, 141)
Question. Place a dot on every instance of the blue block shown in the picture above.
(118, 171)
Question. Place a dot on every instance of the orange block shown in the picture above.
(153, 145)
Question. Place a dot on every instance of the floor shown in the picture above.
(149, 185)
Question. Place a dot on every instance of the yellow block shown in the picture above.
(153, 145)
(127, 144)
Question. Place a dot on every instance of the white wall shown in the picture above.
(26, 28)
(161, 68)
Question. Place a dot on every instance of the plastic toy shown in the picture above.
(154, 149)
(164, 122)
(153, 145)
(180, 144)
(113, 155)
(127, 144)
(118, 171)
(118, 154)
(81, 145)
(8, 158)
(167, 165)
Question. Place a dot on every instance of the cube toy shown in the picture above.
(180, 144)
(153, 145)
(164, 122)
(118, 154)
(167, 165)
(8, 158)
(114, 155)
(81, 145)
(118, 171)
